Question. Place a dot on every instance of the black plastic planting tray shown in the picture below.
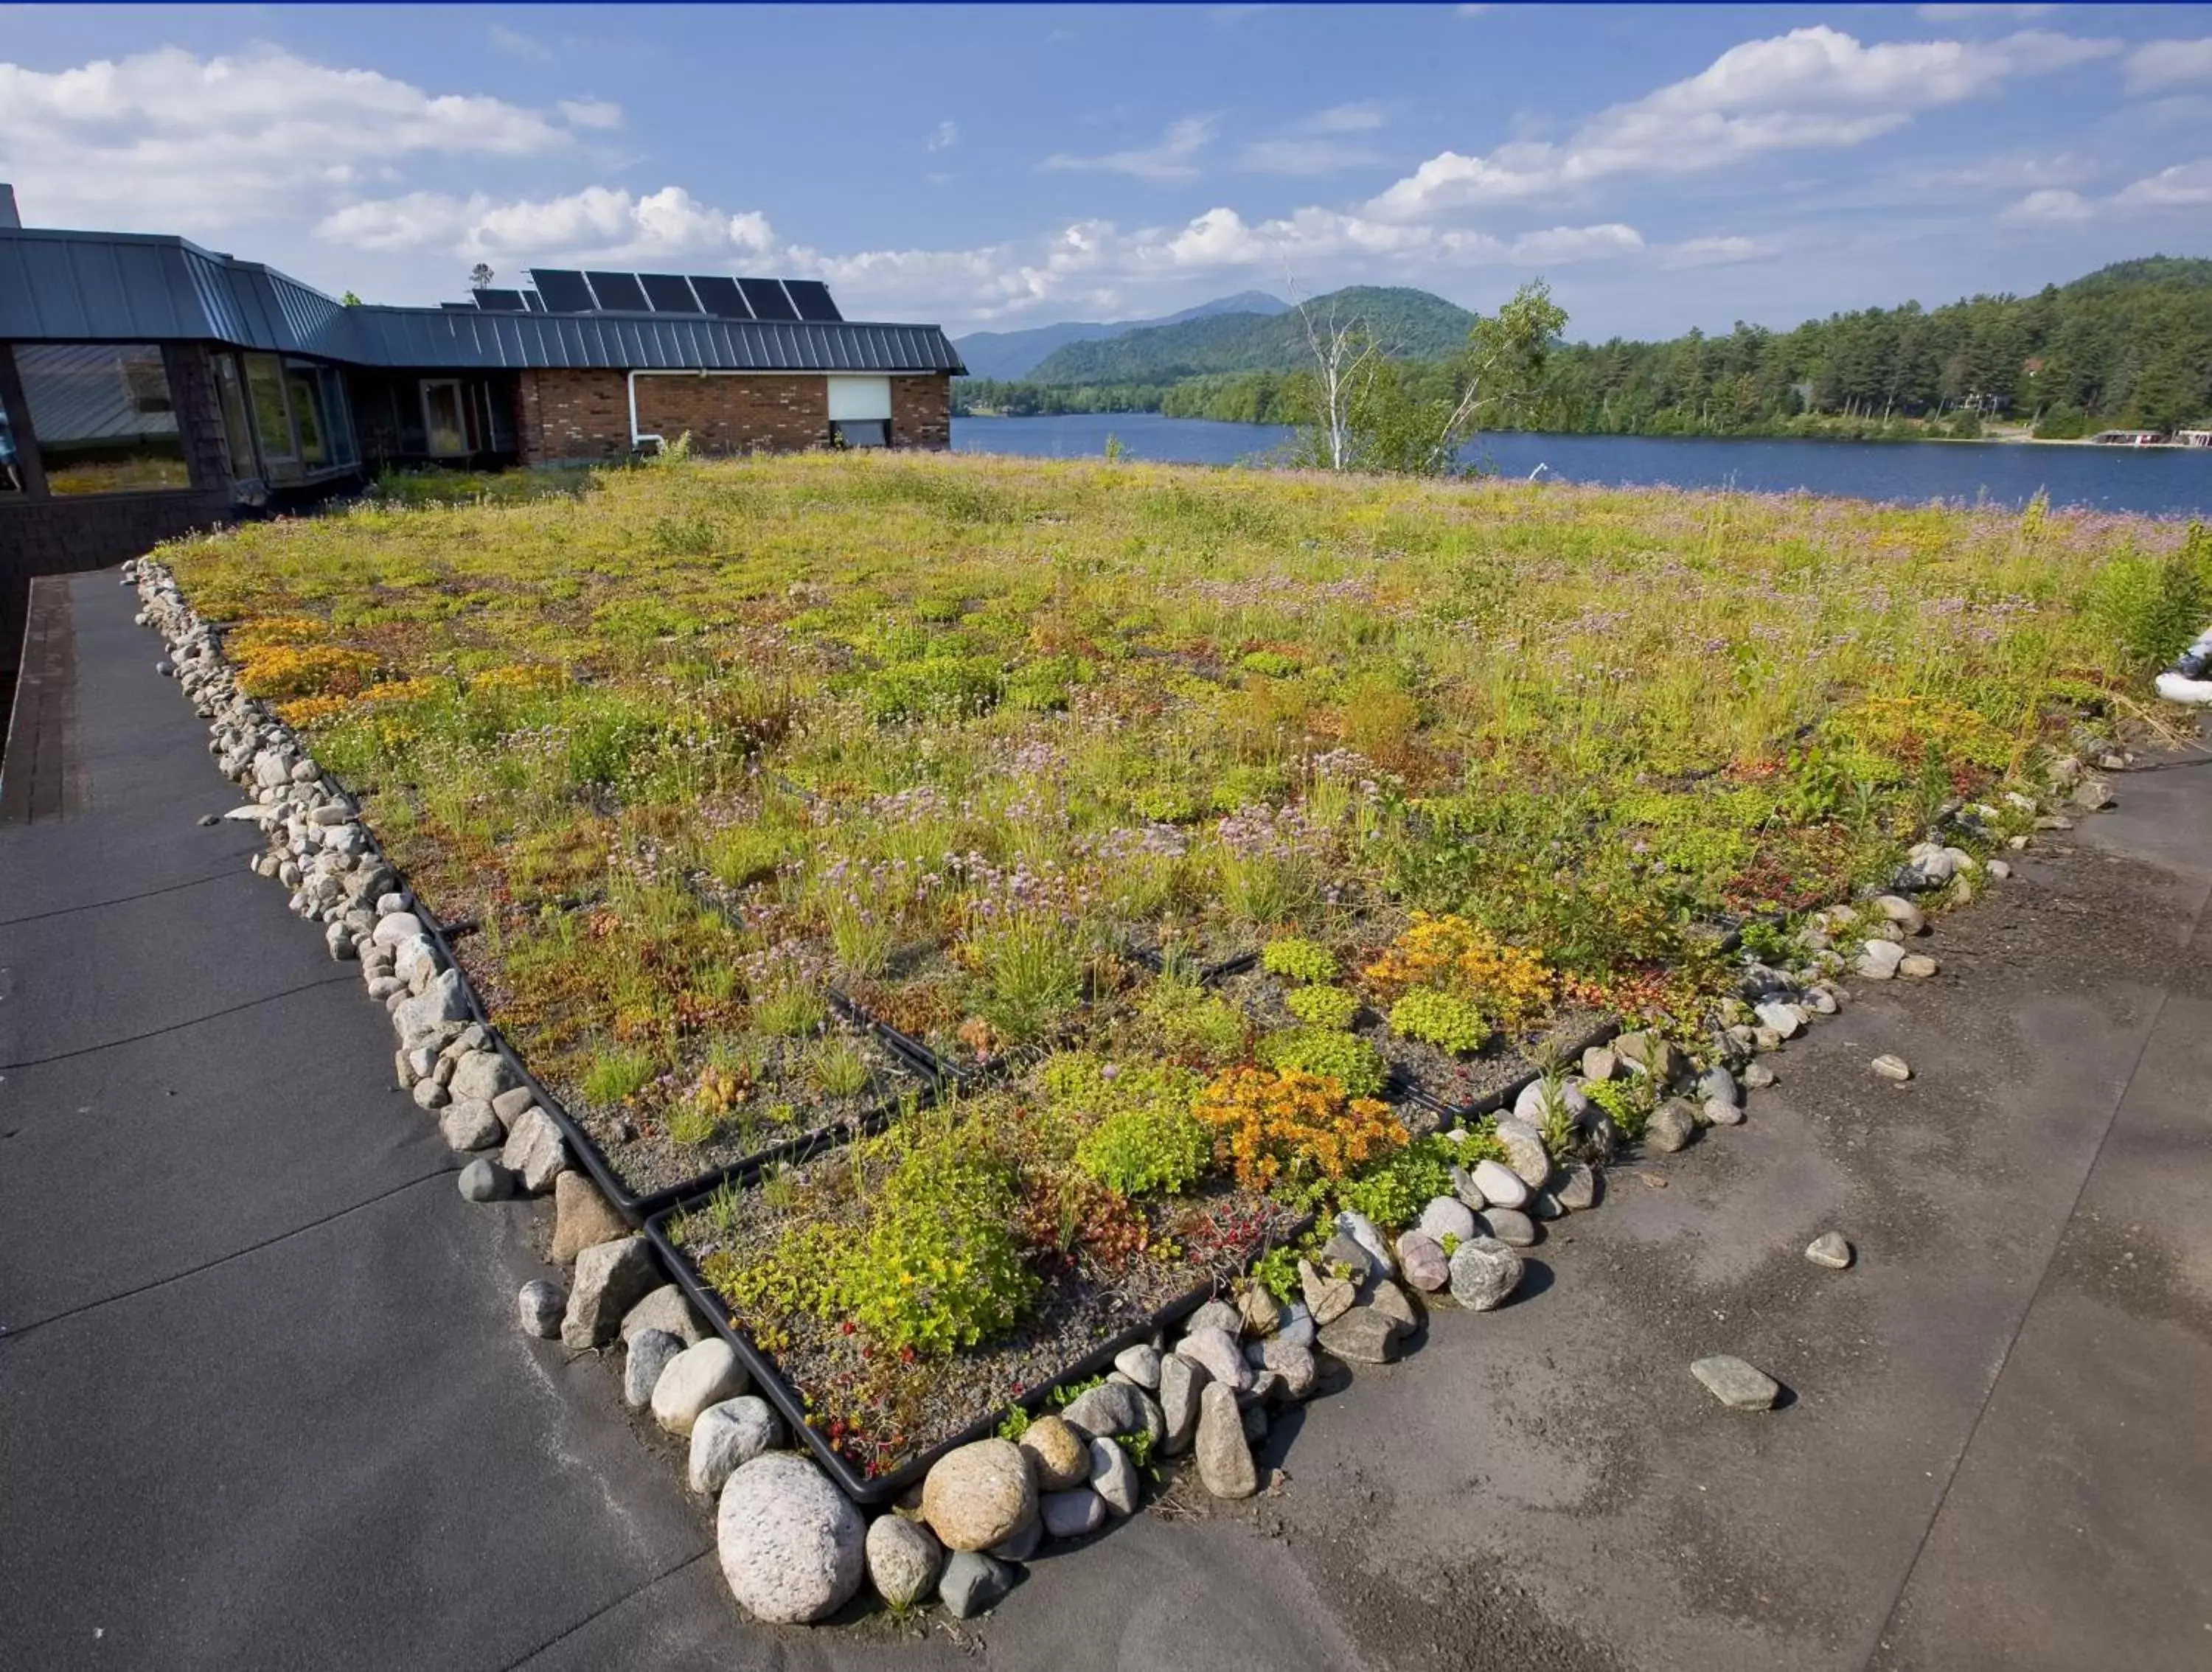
(1490, 1102)
(770, 1382)
(636, 1208)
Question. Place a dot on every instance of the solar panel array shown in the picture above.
(563, 290)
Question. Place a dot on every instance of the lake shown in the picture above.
(2158, 483)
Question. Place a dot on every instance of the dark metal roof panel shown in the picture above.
(429, 337)
(125, 287)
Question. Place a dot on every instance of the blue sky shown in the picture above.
(998, 166)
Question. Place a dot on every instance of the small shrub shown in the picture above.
(1142, 1135)
(1190, 1021)
(1392, 1191)
(1276, 1272)
(934, 687)
(1330, 1007)
(1457, 957)
(938, 1267)
(1285, 1130)
(1448, 1022)
(1352, 1062)
(1305, 962)
(1627, 1102)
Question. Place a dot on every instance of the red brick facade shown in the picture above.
(567, 415)
(921, 412)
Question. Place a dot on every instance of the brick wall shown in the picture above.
(921, 412)
(562, 415)
(566, 416)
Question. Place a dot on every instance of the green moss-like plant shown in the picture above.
(1295, 959)
(1392, 1191)
(1448, 1022)
(1328, 1007)
(1353, 1063)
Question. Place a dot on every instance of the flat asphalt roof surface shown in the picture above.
(263, 1402)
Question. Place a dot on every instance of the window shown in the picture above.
(861, 411)
(444, 419)
(237, 427)
(272, 417)
(319, 418)
(11, 463)
(102, 416)
(307, 418)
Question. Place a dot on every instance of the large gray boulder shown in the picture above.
(481, 1074)
(1181, 1381)
(608, 1280)
(1224, 1456)
(1114, 1408)
(535, 1152)
(1483, 1274)
(729, 1435)
(443, 1001)
(793, 1547)
(650, 1350)
(903, 1560)
(698, 1376)
(978, 1495)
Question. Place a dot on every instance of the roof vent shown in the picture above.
(10, 221)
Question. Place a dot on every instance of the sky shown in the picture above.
(993, 167)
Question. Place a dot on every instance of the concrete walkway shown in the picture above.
(263, 1403)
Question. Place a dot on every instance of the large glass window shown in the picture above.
(444, 418)
(272, 418)
(237, 428)
(103, 417)
(308, 420)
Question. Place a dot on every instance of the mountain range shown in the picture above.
(1230, 336)
(1015, 354)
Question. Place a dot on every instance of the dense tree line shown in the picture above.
(2130, 345)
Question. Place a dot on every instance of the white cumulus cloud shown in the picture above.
(167, 141)
(1811, 89)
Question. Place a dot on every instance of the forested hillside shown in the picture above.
(2129, 344)
(1411, 324)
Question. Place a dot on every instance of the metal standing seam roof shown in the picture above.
(136, 287)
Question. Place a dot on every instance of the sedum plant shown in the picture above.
(1297, 959)
(1328, 1007)
(1450, 1022)
(1352, 1063)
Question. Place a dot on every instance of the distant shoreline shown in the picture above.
(2020, 439)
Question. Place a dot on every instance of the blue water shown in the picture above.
(2157, 483)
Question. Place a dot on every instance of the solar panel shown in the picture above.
(500, 301)
(812, 298)
(668, 293)
(534, 302)
(722, 295)
(618, 293)
(563, 291)
(766, 298)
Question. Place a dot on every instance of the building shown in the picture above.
(149, 387)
